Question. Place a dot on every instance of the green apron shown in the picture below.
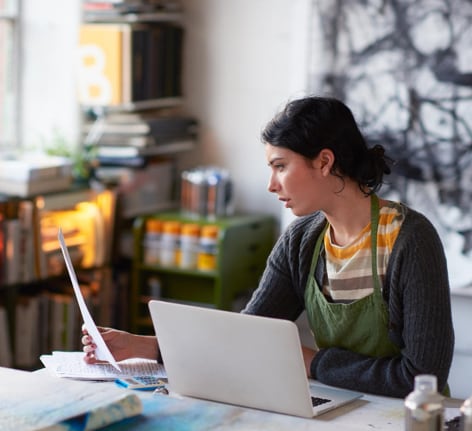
(361, 326)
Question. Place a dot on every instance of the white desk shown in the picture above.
(368, 413)
(460, 376)
(38, 390)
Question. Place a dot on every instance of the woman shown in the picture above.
(370, 273)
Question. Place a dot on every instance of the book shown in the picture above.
(13, 256)
(113, 174)
(139, 63)
(156, 54)
(40, 261)
(161, 128)
(172, 63)
(126, 64)
(27, 252)
(100, 66)
(139, 141)
(132, 162)
(43, 331)
(126, 151)
(67, 199)
(65, 322)
(5, 344)
(26, 324)
(34, 167)
(31, 187)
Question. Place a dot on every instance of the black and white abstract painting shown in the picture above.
(404, 67)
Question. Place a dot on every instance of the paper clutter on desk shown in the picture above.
(72, 365)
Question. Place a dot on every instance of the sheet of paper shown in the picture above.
(102, 352)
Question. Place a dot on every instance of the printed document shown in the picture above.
(102, 352)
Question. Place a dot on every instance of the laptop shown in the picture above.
(239, 359)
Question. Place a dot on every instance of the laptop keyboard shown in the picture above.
(316, 401)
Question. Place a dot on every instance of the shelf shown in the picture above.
(38, 310)
(167, 102)
(129, 213)
(176, 270)
(134, 17)
(244, 243)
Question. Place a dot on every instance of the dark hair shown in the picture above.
(308, 125)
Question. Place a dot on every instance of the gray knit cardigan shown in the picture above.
(415, 288)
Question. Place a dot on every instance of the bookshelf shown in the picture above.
(38, 310)
(131, 59)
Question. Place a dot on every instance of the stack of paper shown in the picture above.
(72, 365)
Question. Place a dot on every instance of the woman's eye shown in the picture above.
(279, 167)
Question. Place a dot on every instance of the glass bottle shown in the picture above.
(424, 410)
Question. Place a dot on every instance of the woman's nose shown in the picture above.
(272, 185)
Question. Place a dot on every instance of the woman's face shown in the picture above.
(298, 182)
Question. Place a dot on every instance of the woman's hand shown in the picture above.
(122, 345)
(308, 356)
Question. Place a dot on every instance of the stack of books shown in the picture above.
(133, 139)
(32, 174)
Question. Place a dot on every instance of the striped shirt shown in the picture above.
(349, 268)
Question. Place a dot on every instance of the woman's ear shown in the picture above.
(325, 161)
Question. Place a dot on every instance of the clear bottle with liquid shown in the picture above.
(424, 410)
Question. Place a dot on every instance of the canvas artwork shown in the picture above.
(405, 69)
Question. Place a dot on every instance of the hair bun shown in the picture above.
(379, 158)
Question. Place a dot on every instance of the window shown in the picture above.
(9, 71)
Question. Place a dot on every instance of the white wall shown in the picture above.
(243, 60)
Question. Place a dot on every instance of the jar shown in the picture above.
(170, 243)
(424, 410)
(206, 191)
(152, 241)
(208, 248)
(189, 240)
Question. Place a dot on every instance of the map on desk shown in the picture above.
(35, 401)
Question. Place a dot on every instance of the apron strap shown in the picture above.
(374, 222)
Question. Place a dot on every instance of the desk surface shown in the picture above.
(170, 413)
